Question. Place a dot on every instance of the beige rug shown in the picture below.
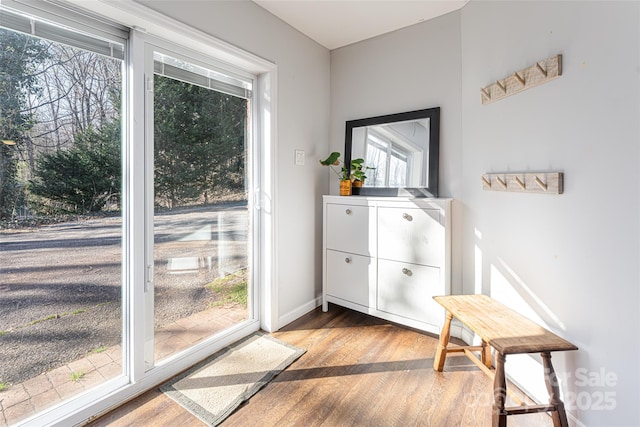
(212, 389)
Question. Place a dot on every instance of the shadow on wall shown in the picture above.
(500, 281)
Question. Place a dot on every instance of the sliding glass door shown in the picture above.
(128, 227)
(200, 235)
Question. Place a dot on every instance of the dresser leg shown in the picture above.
(559, 416)
(441, 352)
(499, 393)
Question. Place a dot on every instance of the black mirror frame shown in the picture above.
(433, 114)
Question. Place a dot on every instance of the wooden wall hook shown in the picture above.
(516, 82)
(541, 70)
(524, 182)
(540, 183)
(519, 78)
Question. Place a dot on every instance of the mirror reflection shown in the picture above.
(396, 154)
(399, 153)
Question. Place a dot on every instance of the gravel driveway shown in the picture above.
(60, 285)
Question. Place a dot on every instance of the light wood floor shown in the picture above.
(357, 371)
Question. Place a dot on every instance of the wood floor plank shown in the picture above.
(402, 399)
(357, 371)
(365, 397)
(153, 409)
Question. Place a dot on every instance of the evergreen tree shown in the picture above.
(19, 54)
(83, 178)
(199, 143)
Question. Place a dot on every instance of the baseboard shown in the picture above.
(458, 330)
(467, 335)
(296, 313)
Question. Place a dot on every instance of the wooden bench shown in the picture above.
(508, 333)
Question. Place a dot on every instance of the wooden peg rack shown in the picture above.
(529, 182)
(535, 75)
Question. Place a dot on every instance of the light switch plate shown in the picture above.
(299, 155)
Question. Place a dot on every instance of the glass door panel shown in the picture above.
(201, 230)
(60, 223)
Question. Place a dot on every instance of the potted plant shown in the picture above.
(337, 166)
(358, 170)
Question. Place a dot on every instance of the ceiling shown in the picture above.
(337, 23)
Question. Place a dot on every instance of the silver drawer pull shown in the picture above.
(347, 260)
(407, 271)
(407, 217)
(348, 211)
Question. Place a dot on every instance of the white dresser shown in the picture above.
(387, 256)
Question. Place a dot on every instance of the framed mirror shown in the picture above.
(400, 153)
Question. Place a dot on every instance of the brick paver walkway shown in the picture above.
(22, 400)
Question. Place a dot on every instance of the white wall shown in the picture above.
(409, 69)
(570, 260)
(302, 123)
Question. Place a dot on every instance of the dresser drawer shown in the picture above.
(407, 290)
(411, 235)
(349, 276)
(350, 228)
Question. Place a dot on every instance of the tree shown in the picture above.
(80, 89)
(19, 54)
(83, 178)
(199, 139)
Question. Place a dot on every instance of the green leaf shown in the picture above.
(331, 160)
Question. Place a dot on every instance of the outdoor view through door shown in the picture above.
(60, 216)
(201, 218)
(127, 228)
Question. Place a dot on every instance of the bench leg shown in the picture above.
(559, 416)
(441, 352)
(486, 354)
(499, 393)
